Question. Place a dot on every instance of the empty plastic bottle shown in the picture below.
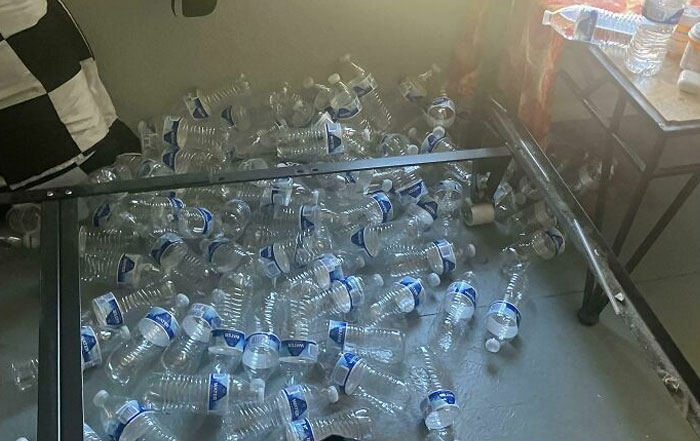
(193, 135)
(440, 407)
(110, 309)
(408, 184)
(438, 141)
(533, 217)
(345, 296)
(402, 297)
(155, 332)
(262, 348)
(435, 259)
(124, 419)
(212, 393)
(298, 350)
(88, 434)
(224, 254)
(117, 268)
(396, 144)
(647, 50)
(441, 110)
(418, 89)
(355, 424)
(383, 345)
(151, 168)
(456, 309)
(276, 192)
(172, 254)
(354, 376)
(507, 201)
(503, 317)
(100, 241)
(611, 31)
(313, 144)
(203, 104)
(347, 107)
(192, 161)
(366, 88)
(374, 209)
(321, 95)
(184, 354)
(542, 244)
(585, 178)
(448, 196)
(24, 218)
(329, 267)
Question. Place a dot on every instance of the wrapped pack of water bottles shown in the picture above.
(286, 309)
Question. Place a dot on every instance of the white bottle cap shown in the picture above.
(333, 394)
(386, 185)
(334, 78)
(100, 398)
(182, 300)
(412, 149)
(125, 333)
(433, 280)
(689, 82)
(436, 68)
(412, 132)
(361, 261)
(470, 250)
(493, 345)
(345, 58)
(439, 131)
(378, 279)
(308, 83)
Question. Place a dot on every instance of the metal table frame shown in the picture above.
(60, 383)
(648, 168)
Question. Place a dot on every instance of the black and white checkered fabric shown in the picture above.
(57, 122)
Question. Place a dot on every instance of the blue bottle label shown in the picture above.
(332, 265)
(231, 338)
(301, 430)
(359, 239)
(305, 349)
(269, 262)
(442, 398)
(195, 106)
(415, 286)
(447, 255)
(227, 115)
(430, 205)
(336, 332)
(296, 398)
(464, 289)
(352, 109)
(213, 246)
(125, 269)
(206, 313)
(334, 139)
(122, 417)
(558, 240)
(163, 243)
(171, 124)
(218, 389)
(343, 368)
(205, 222)
(168, 157)
(263, 339)
(430, 141)
(101, 214)
(107, 310)
(89, 348)
(385, 204)
(364, 85)
(165, 320)
(501, 307)
(413, 193)
(306, 219)
(355, 292)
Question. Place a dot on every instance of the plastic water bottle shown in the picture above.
(155, 332)
(440, 407)
(24, 218)
(448, 195)
(406, 230)
(456, 309)
(304, 247)
(172, 254)
(276, 192)
(250, 421)
(95, 343)
(436, 259)
(99, 241)
(347, 107)
(408, 184)
(396, 144)
(212, 393)
(402, 297)
(193, 135)
(185, 353)
(438, 141)
(441, 110)
(192, 161)
(262, 348)
(354, 376)
(321, 95)
(298, 350)
(382, 345)
(503, 317)
(224, 254)
(533, 217)
(355, 424)
(418, 89)
(507, 201)
(374, 209)
(124, 269)
(345, 296)
(110, 309)
(88, 434)
(203, 104)
(329, 267)
(647, 50)
(585, 178)
(542, 244)
(124, 419)
(315, 143)
(151, 168)
(366, 88)
(611, 31)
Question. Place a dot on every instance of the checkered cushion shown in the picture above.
(56, 118)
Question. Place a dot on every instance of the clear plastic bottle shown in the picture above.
(172, 254)
(224, 254)
(345, 296)
(192, 161)
(111, 308)
(107, 240)
(585, 178)
(507, 201)
(329, 267)
(24, 218)
(503, 316)
(155, 332)
(277, 192)
(612, 32)
(313, 144)
(185, 353)
(456, 309)
(647, 50)
(441, 110)
(374, 209)
(321, 95)
(533, 217)
(347, 107)
(298, 349)
(434, 260)
(396, 144)
(438, 141)
(382, 345)
(420, 88)
(401, 298)
(367, 89)
(408, 184)
(138, 211)
(89, 434)
(194, 135)
(448, 195)
(262, 348)
(250, 421)
(354, 424)
(542, 244)
(124, 269)
(212, 393)
(124, 419)
(440, 408)
(355, 376)
(203, 104)
(151, 168)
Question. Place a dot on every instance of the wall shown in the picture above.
(148, 57)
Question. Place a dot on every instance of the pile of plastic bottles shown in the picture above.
(281, 308)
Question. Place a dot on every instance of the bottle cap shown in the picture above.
(412, 149)
(386, 185)
(439, 131)
(492, 345)
(433, 280)
(333, 394)
(22, 439)
(378, 279)
(412, 132)
(308, 83)
(470, 250)
(334, 78)
(436, 68)
(125, 333)
(182, 300)
(100, 398)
